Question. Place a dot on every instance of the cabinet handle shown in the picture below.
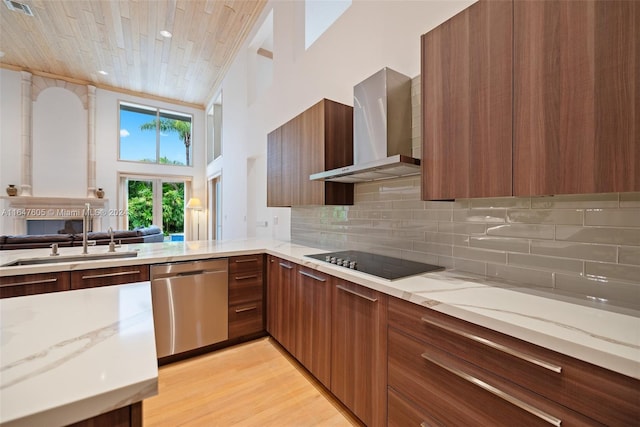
(522, 356)
(31, 282)
(319, 279)
(120, 273)
(246, 260)
(342, 288)
(252, 276)
(241, 310)
(497, 392)
(287, 266)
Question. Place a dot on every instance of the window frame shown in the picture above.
(159, 113)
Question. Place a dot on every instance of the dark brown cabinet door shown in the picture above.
(31, 284)
(313, 338)
(109, 276)
(275, 193)
(467, 104)
(576, 97)
(281, 309)
(320, 138)
(359, 351)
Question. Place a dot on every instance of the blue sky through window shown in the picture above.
(140, 146)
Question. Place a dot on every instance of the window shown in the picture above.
(155, 201)
(319, 15)
(214, 130)
(152, 135)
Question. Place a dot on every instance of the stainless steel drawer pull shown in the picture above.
(287, 266)
(252, 276)
(242, 310)
(119, 273)
(31, 282)
(522, 356)
(497, 392)
(319, 279)
(246, 260)
(342, 288)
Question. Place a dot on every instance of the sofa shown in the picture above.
(139, 235)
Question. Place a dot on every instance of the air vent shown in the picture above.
(18, 7)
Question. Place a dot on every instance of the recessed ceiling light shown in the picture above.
(103, 72)
(165, 33)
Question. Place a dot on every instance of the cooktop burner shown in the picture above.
(377, 265)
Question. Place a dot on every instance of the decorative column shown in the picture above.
(27, 136)
(91, 141)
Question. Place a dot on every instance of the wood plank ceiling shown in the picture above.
(77, 38)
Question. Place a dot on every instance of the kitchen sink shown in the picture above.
(70, 258)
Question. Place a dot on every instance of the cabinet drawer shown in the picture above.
(109, 276)
(455, 392)
(403, 413)
(246, 319)
(238, 264)
(603, 395)
(245, 286)
(31, 284)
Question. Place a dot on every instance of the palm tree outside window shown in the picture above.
(153, 135)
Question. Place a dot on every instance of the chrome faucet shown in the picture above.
(86, 217)
(112, 243)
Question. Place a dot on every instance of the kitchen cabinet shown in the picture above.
(320, 138)
(439, 367)
(466, 79)
(127, 416)
(532, 98)
(281, 309)
(359, 351)
(96, 277)
(31, 284)
(576, 97)
(313, 320)
(246, 302)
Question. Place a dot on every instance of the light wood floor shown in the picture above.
(252, 384)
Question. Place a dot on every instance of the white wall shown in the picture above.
(370, 35)
(60, 145)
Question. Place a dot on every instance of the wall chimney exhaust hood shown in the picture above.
(381, 131)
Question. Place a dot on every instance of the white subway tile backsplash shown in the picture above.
(584, 244)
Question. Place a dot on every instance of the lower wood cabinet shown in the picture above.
(313, 322)
(127, 416)
(246, 314)
(97, 277)
(457, 373)
(31, 284)
(281, 310)
(359, 351)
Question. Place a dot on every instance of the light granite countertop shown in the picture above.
(68, 356)
(597, 333)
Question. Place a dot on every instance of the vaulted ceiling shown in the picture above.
(77, 39)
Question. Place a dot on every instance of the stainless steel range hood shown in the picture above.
(381, 131)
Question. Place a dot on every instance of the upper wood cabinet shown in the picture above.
(576, 97)
(466, 97)
(319, 139)
(532, 98)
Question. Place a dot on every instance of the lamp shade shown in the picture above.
(194, 203)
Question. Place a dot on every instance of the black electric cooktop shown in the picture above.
(377, 265)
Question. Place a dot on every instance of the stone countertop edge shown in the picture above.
(56, 370)
(601, 337)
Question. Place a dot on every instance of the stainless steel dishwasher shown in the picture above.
(190, 307)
